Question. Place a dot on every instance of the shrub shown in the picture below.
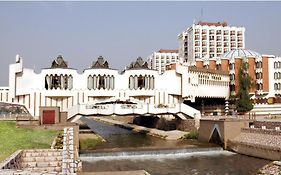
(191, 135)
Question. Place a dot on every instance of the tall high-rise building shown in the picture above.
(158, 60)
(206, 40)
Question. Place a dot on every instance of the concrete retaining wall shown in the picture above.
(255, 150)
(187, 125)
(260, 143)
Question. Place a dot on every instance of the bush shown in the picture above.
(191, 135)
(89, 143)
(59, 141)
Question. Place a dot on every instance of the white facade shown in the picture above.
(158, 60)
(209, 40)
(274, 75)
(66, 88)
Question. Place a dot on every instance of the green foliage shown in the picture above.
(13, 138)
(191, 135)
(59, 141)
(89, 143)
(243, 103)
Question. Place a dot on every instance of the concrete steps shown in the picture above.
(42, 160)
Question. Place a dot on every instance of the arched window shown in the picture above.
(70, 82)
(131, 82)
(151, 82)
(275, 86)
(90, 82)
(101, 82)
(112, 82)
(47, 82)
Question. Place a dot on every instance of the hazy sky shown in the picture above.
(120, 31)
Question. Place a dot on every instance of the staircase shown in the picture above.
(42, 160)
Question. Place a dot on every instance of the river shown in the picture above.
(125, 150)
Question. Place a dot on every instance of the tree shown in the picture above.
(243, 103)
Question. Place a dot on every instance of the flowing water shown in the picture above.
(125, 150)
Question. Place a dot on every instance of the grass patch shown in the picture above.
(89, 143)
(12, 138)
(191, 135)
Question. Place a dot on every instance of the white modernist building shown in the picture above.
(74, 93)
(158, 60)
(209, 40)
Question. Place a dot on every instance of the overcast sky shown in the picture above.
(120, 31)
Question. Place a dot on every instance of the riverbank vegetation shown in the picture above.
(89, 141)
(191, 135)
(13, 138)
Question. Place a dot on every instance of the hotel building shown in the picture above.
(158, 60)
(206, 40)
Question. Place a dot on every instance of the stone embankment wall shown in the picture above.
(12, 162)
(267, 125)
(263, 143)
(70, 162)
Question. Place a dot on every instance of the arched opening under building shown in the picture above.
(208, 106)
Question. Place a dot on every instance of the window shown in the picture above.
(58, 82)
(275, 86)
(275, 76)
(275, 64)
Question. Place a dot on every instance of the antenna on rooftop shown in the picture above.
(201, 14)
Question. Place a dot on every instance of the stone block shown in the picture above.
(42, 164)
(54, 163)
(32, 164)
(28, 159)
(40, 159)
(58, 169)
(49, 159)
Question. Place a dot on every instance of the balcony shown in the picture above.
(259, 81)
(218, 32)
